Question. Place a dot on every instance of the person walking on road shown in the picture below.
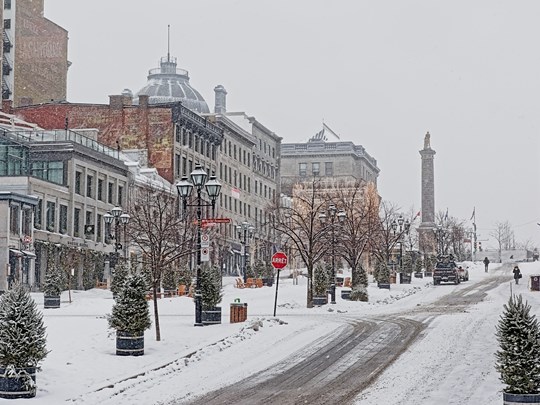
(517, 273)
(486, 264)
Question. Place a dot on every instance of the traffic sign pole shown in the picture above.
(279, 261)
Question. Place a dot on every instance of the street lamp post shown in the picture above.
(185, 187)
(404, 226)
(118, 216)
(333, 213)
(245, 233)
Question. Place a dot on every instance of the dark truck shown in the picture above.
(445, 270)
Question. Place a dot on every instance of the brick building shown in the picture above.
(34, 61)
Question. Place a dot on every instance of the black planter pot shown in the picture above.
(129, 344)
(51, 301)
(319, 300)
(211, 316)
(404, 278)
(346, 294)
(269, 281)
(428, 274)
(523, 399)
(419, 274)
(23, 385)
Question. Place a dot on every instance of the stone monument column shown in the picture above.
(426, 229)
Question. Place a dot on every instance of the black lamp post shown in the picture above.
(333, 213)
(404, 226)
(117, 216)
(185, 187)
(245, 233)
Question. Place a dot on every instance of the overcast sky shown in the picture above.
(380, 74)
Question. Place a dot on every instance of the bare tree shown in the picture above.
(360, 203)
(160, 233)
(299, 226)
(504, 235)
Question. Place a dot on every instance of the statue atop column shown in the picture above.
(427, 144)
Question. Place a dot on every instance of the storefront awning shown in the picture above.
(28, 253)
(16, 252)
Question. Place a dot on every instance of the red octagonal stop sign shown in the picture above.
(279, 260)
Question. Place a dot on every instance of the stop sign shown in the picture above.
(279, 260)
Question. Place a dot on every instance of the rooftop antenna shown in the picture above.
(168, 42)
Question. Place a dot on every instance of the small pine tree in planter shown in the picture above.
(518, 360)
(130, 316)
(383, 272)
(52, 288)
(120, 274)
(429, 264)
(321, 281)
(212, 294)
(418, 268)
(359, 288)
(22, 343)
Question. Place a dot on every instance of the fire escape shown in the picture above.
(6, 66)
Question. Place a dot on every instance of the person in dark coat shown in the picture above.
(486, 264)
(517, 274)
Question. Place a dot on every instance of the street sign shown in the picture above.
(279, 260)
(205, 255)
(205, 240)
(216, 221)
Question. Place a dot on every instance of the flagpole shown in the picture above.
(473, 218)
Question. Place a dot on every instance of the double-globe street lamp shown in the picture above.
(213, 188)
(333, 214)
(399, 228)
(117, 216)
(245, 233)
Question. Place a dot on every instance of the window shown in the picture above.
(49, 171)
(329, 168)
(13, 160)
(234, 153)
(184, 137)
(256, 186)
(7, 24)
(63, 218)
(120, 195)
(177, 165)
(177, 133)
(78, 176)
(110, 193)
(316, 168)
(26, 221)
(98, 230)
(38, 214)
(100, 189)
(302, 169)
(184, 166)
(14, 219)
(50, 215)
(7, 4)
(89, 185)
(77, 222)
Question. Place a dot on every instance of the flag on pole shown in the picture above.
(473, 214)
(417, 214)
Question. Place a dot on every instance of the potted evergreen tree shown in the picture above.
(418, 268)
(382, 274)
(518, 359)
(429, 264)
(321, 281)
(52, 288)
(22, 343)
(211, 295)
(130, 316)
(119, 275)
(407, 268)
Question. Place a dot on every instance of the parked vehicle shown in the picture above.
(446, 270)
(463, 273)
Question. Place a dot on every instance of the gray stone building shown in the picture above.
(56, 186)
(325, 156)
(248, 162)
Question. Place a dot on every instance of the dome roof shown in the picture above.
(168, 84)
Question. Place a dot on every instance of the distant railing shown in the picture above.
(61, 135)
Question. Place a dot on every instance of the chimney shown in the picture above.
(143, 101)
(221, 100)
(127, 97)
(115, 102)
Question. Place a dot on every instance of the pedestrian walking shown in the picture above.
(486, 264)
(517, 273)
